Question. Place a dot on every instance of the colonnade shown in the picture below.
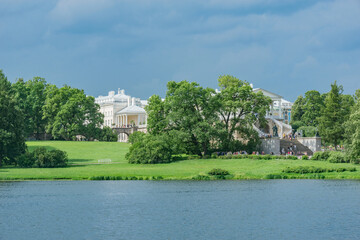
(122, 120)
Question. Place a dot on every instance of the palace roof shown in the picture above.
(132, 110)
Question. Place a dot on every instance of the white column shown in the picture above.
(138, 123)
(126, 120)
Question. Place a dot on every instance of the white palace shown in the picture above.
(123, 111)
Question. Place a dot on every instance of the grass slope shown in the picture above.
(84, 156)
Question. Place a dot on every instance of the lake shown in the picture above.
(254, 209)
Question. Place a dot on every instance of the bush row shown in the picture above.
(312, 169)
(333, 157)
(218, 171)
(257, 157)
(280, 176)
(125, 178)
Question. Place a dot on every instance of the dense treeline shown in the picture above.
(29, 109)
(334, 116)
(323, 114)
(197, 120)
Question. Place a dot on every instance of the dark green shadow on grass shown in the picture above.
(75, 161)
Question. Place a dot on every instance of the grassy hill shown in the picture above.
(84, 156)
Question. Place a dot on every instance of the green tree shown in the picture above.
(150, 149)
(156, 120)
(69, 112)
(297, 110)
(21, 93)
(106, 134)
(239, 109)
(191, 110)
(30, 97)
(352, 131)
(187, 111)
(312, 106)
(12, 142)
(333, 116)
(36, 101)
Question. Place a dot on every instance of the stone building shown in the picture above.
(122, 111)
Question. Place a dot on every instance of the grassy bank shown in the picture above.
(84, 156)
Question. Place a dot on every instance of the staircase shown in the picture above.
(284, 128)
(300, 148)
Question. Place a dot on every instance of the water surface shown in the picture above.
(263, 209)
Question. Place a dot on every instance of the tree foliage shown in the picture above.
(12, 142)
(307, 109)
(352, 131)
(297, 110)
(312, 107)
(31, 97)
(156, 121)
(239, 109)
(69, 112)
(106, 134)
(333, 115)
(150, 149)
(191, 110)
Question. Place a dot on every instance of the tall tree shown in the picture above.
(36, 100)
(21, 93)
(156, 120)
(69, 112)
(313, 104)
(333, 116)
(297, 110)
(191, 110)
(12, 142)
(187, 114)
(31, 97)
(352, 131)
(240, 108)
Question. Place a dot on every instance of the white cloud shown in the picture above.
(68, 11)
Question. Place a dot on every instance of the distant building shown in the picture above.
(279, 115)
(280, 108)
(122, 111)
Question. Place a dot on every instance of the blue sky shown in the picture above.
(286, 46)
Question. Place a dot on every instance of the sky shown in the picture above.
(284, 46)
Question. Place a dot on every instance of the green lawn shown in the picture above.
(84, 157)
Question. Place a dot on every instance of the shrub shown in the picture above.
(191, 157)
(275, 176)
(150, 149)
(337, 157)
(50, 159)
(26, 160)
(214, 155)
(316, 176)
(43, 158)
(305, 157)
(312, 169)
(291, 157)
(218, 172)
(321, 156)
(201, 177)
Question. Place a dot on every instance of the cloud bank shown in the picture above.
(288, 47)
